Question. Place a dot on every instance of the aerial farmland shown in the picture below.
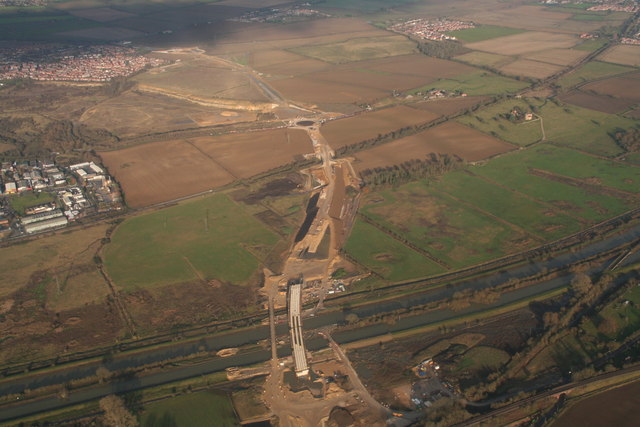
(433, 206)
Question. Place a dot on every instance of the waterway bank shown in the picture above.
(252, 335)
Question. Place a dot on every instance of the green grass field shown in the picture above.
(510, 171)
(485, 59)
(483, 32)
(463, 220)
(588, 17)
(386, 256)
(510, 206)
(567, 162)
(358, 49)
(447, 228)
(583, 128)
(569, 125)
(477, 83)
(491, 120)
(569, 7)
(482, 358)
(208, 238)
(623, 317)
(591, 45)
(19, 202)
(591, 71)
(632, 158)
(202, 409)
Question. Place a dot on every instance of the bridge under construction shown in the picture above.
(295, 327)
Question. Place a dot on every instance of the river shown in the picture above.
(253, 335)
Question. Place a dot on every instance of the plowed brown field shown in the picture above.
(627, 87)
(248, 154)
(622, 54)
(605, 104)
(369, 125)
(558, 56)
(531, 17)
(163, 171)
(295, 68)
(365, 81)
(523, 43)
(449, 138)
(527, 68)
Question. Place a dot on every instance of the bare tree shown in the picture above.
(581, 283)
(103, 374)
(115, 413)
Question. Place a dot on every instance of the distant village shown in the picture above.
(39, 195)
(615, 7)
(631, 40)
(430, 29)
(281, 15)
(81, 64)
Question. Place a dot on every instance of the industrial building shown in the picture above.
(42, 216)
(35, 227)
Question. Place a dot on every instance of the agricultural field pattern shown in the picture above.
(340, 213)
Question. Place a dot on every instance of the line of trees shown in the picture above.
(433, 165)
(444, 49)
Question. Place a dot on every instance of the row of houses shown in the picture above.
(90, 64)
(430, 29)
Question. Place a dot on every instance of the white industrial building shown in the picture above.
(42, 216)
(35, 227)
